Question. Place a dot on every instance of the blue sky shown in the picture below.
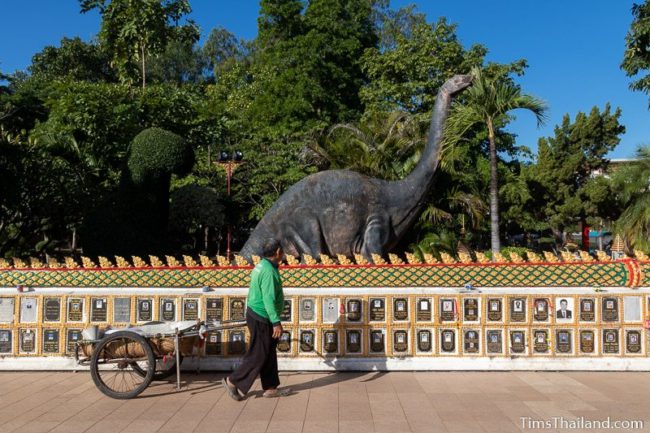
(574, 48)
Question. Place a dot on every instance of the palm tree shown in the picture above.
(487, 102)
(634, 222)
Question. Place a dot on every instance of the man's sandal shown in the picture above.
(232, 389)
(278, 393)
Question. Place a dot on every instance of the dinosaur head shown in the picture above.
(457, 83)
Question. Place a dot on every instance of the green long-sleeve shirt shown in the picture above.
(265, 296)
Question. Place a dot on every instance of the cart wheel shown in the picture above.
(113, 365)
(163, 369)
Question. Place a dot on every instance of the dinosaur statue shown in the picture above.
(343, 212)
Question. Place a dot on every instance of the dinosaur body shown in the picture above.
(343, 212)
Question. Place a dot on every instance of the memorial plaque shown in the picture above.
(190, 309)
(610, 310)
(400, 341)
(213, 346)
(587, 341)
(75, 309)
(495, 309)
(354, 310)
(448, 340)
(52, 310)
(330, 310)
(98, 309)
(494, 339)
(587, 310)
(517, 341)
(424, 340)
(564, 310)
(145, 308)
(633, 341)
(214, 309)
(377, 341)
(307, 341)
(377, 309)
(400, 309)
(470, 309)
(331, 341)
(353, 342)
(237, 309)
(72, 336)
(540, 311)
(471, 341)
(122, 310)
(50, 341)
(7, 310)
(286, 316)
(28, 310)
(632, 308)
(284, 343)
(563, 341)
(167, 310)
(6, 345)
(610, 341)
(27, 341)
(307, 309)
(540, 340)
(517, 310)
(423, 310)
(237, 343)
(447, 309)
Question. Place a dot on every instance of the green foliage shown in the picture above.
(194, 210)
(636, 60)
(156, 154)
(634, 183)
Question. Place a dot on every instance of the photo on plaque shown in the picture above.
(400, 309)
(424, 340)
(50, 341)
(167, 310)
(76, 309)
(190, 309)
(353, 310)
(330, 310)
(587, 341)
(587, 309)
(353, 341)
(214, 309)
(400, 341)
(495, 309)
(609, 311)
(517, 341)
(447, 309)
(286, 315)
(518, 310)
(563, 339)
(540, 310)
(377, 341)
(633, 341)
(331, 341)
(52, 310)
(494, 341)
(610, 342)
(632, 308)
(213, 346)
(307, 341)
(237, 343)
(564, 309)
(7, 306)
(237, 309)
(145, 310)
(98, 310)
(121, 310)
(471, 309)
(307, 309)
(423, 310)
(540, 341)
(284, 342)
(377, 309)
(28, 310)
(72, 336)
(471, 341)
(27, 341)
(6, 341)
(447, 341)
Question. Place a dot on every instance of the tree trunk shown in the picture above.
(494, 190)
(144, 73)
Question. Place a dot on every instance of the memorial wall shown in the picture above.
(576, 315)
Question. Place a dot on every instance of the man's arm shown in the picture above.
(268, 296)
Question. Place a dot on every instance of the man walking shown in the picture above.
(265, 304)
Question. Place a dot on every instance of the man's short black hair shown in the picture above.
(271, 247)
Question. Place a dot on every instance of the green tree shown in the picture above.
(634, 185)
(636, 60)
(73, 59)
(487, 102)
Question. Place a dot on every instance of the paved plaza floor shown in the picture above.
(393, 402)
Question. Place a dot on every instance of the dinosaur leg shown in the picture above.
(375, 238)
(305, 239)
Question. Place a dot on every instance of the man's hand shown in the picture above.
(277, 331)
